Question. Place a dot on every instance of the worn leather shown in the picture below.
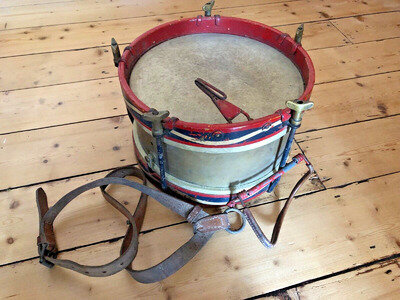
(204, 227)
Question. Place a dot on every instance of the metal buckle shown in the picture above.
(43, 252)
(242, 219)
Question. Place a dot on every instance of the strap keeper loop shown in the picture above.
(45, 252)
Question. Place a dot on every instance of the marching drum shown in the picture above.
(206, 96)
(211, 149)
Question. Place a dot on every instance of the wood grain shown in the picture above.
(379, 281)
(357, 60)
(71, 66)
(355, 152)
(56, 69)
(102, 98)
(95, 34)
(28, 3)
(275, 13)
(371, 27)
(308, 248)
(97, 10)
(90, 219)
(354, 100)
(69, 150)
(51, 153)
(81, 101)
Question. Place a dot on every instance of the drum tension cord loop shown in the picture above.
(204, 225)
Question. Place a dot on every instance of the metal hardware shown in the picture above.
(150, 160)
(157, 129)
(299, 34)
(242, 220)
(228, 110)
(208, 7)
(298, 107)
(115, 51)
(43, 253)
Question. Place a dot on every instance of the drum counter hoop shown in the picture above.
(206, 97)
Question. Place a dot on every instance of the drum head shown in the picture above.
(256, 77)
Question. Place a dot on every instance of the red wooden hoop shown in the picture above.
(223, 25)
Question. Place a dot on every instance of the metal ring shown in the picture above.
(242, 218)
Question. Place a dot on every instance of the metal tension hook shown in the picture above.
(299, 34)
(157, 130)
(208, 7)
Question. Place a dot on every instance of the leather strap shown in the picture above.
(204, 227)
(279, 220)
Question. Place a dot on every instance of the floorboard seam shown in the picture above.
(115, 76)
(316, 173)
(36, 4)
(306, 282)
(275, 26)
(111, 240)
(64, 124)
(345, 36)
(198, 11)
(63, 178)
(345, 124)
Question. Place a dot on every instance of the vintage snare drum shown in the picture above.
(207, 96)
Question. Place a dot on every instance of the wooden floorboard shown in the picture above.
(363, 280)
(60, 104)
(290, 11)
(80, 36)
(359, 99)
(63, 123)
(61, 12)
(354, 152)
(369, 28)
(343, 239)
(18, 208)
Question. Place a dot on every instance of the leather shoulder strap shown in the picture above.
(204, 227)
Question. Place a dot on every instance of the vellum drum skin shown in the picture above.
(256, 77)
(205, 158)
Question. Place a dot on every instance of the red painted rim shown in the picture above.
(223, 25)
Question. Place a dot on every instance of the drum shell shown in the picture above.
(217, 172)
(216, 176)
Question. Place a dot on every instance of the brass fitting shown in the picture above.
(299, 34)
(298, 107)
(156, 117)
(208, 7)
(115, 51)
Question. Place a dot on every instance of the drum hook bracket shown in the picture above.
(247, 195)
(157, 129)
(117, 54)
(208, 7)
(297, 109)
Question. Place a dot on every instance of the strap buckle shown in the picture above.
(45, 252)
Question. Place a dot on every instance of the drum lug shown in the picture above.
(115, 51)
(208, 7)
(299, 34)
(150, 160)
(298, 107)
(157, 129)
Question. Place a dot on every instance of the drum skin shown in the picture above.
(210, 163)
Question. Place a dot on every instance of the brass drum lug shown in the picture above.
(298, 107)
(299, 34)
(208, 7)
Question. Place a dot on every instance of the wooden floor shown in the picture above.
(63, 123)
